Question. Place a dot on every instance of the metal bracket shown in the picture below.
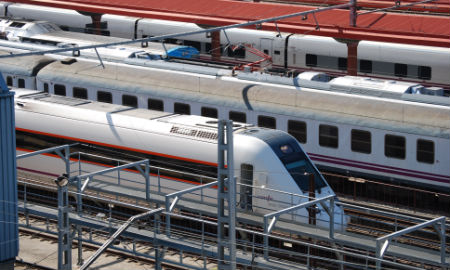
(279, 33)
(99, 58)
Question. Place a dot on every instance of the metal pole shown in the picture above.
(266, 237)
(312, 197)
(64, 238)
(443, 238)
(147, 180)
(9, 244)
(78, 227)
(226, 193)
(352, 13)
(168, 216)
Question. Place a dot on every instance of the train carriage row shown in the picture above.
(355, 134)
(292, 52)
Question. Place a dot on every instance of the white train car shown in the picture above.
(423, 64)
(265, 158)
(66, 19)
(383, 137)
(22, 73)
(360, 126)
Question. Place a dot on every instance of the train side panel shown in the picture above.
(120, 26)
(65, 18)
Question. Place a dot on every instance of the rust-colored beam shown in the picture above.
(399, 28)
(215, 46)
(352, 58)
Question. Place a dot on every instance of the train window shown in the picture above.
(267, 121)
(365, 66)
(194, 44)
(298, 130)
(209, 112)
(311, 60)
(103, 96)
(17, 24)
(181, 108)
(79, 92)
(425, 151)
(155, 104)
(342, 63)
(424, 73)
(394, 146)
(266, 52)
(401, 70)
(46, 87)
(361, 141)
(237, 52)
(237, 116)
(328, 136)
(21, 83)
(276, 52)
(129, 100)
(208, 48)
(9, 81)
(171, 40)
(60, 89)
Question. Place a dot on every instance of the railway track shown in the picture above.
(114, 255)
(361, 222)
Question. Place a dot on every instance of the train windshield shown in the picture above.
(291, 154)
(300, 168)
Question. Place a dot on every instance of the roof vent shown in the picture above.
(194, 132)
(68, 61)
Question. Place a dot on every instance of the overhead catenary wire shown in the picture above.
(397, 5)
(161, 37)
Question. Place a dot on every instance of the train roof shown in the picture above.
(26, 66)
(334, 107)
(15, 29)
(89, 39)
(42, 33)
(200, 127)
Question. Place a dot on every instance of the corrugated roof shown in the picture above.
(437, 6)
(386, 27)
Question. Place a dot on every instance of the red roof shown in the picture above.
(438, 6)
(386, 27)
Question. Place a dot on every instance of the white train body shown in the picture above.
(328, 119)
(189, 140)
(20, 36)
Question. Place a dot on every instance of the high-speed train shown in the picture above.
(42, 36)
(264, 159)
(427, 65)
(358, 126)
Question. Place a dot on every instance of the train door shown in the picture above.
(245, 191)
(273, 48)
(266, 46)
